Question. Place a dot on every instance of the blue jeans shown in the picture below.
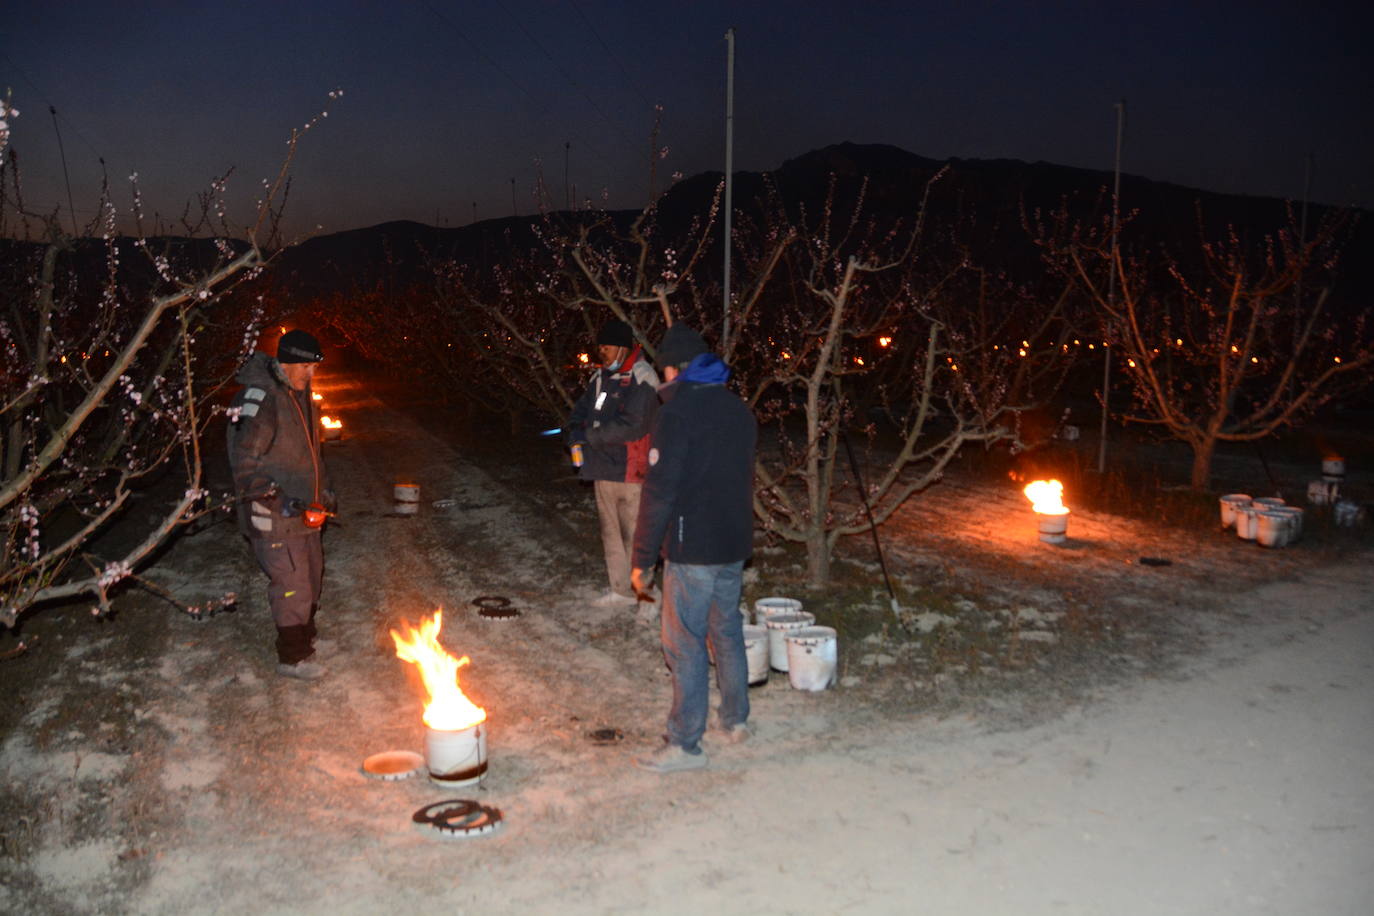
(701, 602)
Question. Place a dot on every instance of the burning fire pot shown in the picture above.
(456, 730)
(1051, 514)
(407, 497)
(333, 429)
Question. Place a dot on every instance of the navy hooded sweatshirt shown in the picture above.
(697, 506)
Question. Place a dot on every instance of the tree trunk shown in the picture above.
(1202, 462)
(817, 558)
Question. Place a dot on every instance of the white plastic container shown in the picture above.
(457, 757)
(1323, 492)
(766, 607)
(779, 625)
(1272, 528)
(756, 651)
(1229, 502)
(1293, 517)
(812, 656)
(1333, 469)
(1247, 522)
(1053, 528)
(407, 497)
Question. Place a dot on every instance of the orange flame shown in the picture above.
(329, 422)
(316, 396)
(448, 708)
(1047, 497)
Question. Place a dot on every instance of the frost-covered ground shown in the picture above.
(1050, 730)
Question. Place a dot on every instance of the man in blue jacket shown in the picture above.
(697, 509)
(611, 423)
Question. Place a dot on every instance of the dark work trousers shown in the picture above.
(295, 570)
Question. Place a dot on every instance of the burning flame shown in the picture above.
(329, 422)
(1047, 497)
(448, 708)
(316, 396)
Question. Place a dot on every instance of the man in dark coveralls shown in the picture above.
(281, 484)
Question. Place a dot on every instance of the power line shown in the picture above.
(41, 96)
(629, 80)
(567, 76)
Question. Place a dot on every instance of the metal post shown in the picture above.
(1302, 242)
(1111, 290)
(71, 205)
(729, 175)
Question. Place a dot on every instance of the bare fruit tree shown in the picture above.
(880, 327)
(524, 327)
(111, 346)
(1235, 345)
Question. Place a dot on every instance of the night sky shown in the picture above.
(444, 103)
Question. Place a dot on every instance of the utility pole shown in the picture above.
(729, 175)
(1111, 289)
(1302, 242)
(567, 188)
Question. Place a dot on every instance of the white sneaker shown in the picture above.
(672, 759)
(738, 733)
(614, 599)
(306, 670)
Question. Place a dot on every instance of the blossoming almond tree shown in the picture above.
(1235, 345)
(106, 340)
(882, 327)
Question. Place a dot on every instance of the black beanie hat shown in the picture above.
(679, 345)
(298, 347)
(615, 333)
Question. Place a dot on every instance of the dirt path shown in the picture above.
(174, 772)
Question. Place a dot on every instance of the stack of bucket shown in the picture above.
(1265, 520)
(783, 637)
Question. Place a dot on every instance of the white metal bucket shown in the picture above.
(812, 656)
(1053, 528)
(1272, 529)
(756, 651)
(1293, 517)
(1323, 492)
(1247, 522)
(457, 757)
(779, 625)
(766, 607)
(1333, 469)
(407, 497)
(1229, 502)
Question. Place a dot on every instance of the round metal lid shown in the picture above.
(495, 607)
(458, 817)
(393, 765)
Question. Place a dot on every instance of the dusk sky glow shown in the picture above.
(444, 103)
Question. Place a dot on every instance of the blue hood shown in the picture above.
(706, 369)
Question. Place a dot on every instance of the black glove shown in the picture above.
(577, 435)
(292, 506)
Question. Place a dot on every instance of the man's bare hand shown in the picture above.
(641, 581)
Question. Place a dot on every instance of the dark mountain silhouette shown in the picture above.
(994, 192)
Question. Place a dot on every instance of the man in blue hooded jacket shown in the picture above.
(697, 509)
